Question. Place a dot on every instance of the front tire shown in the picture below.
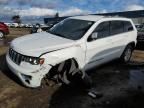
(68, 73)
(65, 71)
(126, 56)
(72, 76)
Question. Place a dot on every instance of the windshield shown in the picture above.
(72, 29)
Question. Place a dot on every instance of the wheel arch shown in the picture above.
(54, 68)
(74, 59)
(133, 44)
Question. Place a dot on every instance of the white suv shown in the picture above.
(76, 43)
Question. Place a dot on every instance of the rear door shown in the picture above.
(119, 36)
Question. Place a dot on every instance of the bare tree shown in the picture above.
(57, 15)
(16, 19)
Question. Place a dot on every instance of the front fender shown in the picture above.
(56, 57)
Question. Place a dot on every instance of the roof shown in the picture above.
(88, 17)
(98, 17)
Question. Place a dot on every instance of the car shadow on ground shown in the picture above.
(134, 99)
(74, 97)
(68, 97)
(6, 71)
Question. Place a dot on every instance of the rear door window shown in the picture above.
(116, 27)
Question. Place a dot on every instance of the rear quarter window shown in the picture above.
(117, 27)
(128, 26)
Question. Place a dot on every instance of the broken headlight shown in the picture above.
(34, 60)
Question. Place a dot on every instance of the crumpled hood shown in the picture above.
(39, 43)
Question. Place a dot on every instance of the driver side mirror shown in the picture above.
(94, 36)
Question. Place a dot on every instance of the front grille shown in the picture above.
(15, 57)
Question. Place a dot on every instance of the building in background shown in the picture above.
(137, 16)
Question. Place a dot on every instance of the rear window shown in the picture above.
(117, 27)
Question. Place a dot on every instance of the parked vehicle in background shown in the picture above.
(50, 24)
(4, 30)
(70, 47)
(21, 25)
(139, 26)
(36, 28)
(29, 25)
(140, 37)
(14, 25)
(8, 24)
(44, 27)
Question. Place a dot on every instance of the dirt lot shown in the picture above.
(122, 85)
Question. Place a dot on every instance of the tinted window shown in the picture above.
(102, 30)
(116, 27)
(127, 26)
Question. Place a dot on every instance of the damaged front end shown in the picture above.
(30, 70)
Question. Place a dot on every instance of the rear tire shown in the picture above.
(126, 56)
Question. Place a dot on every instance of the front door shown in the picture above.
(99, 50)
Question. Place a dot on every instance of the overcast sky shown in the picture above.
(66, 7)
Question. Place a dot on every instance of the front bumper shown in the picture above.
(29, 77)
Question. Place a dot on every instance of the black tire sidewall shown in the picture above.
(124, 54)
(77, 79)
